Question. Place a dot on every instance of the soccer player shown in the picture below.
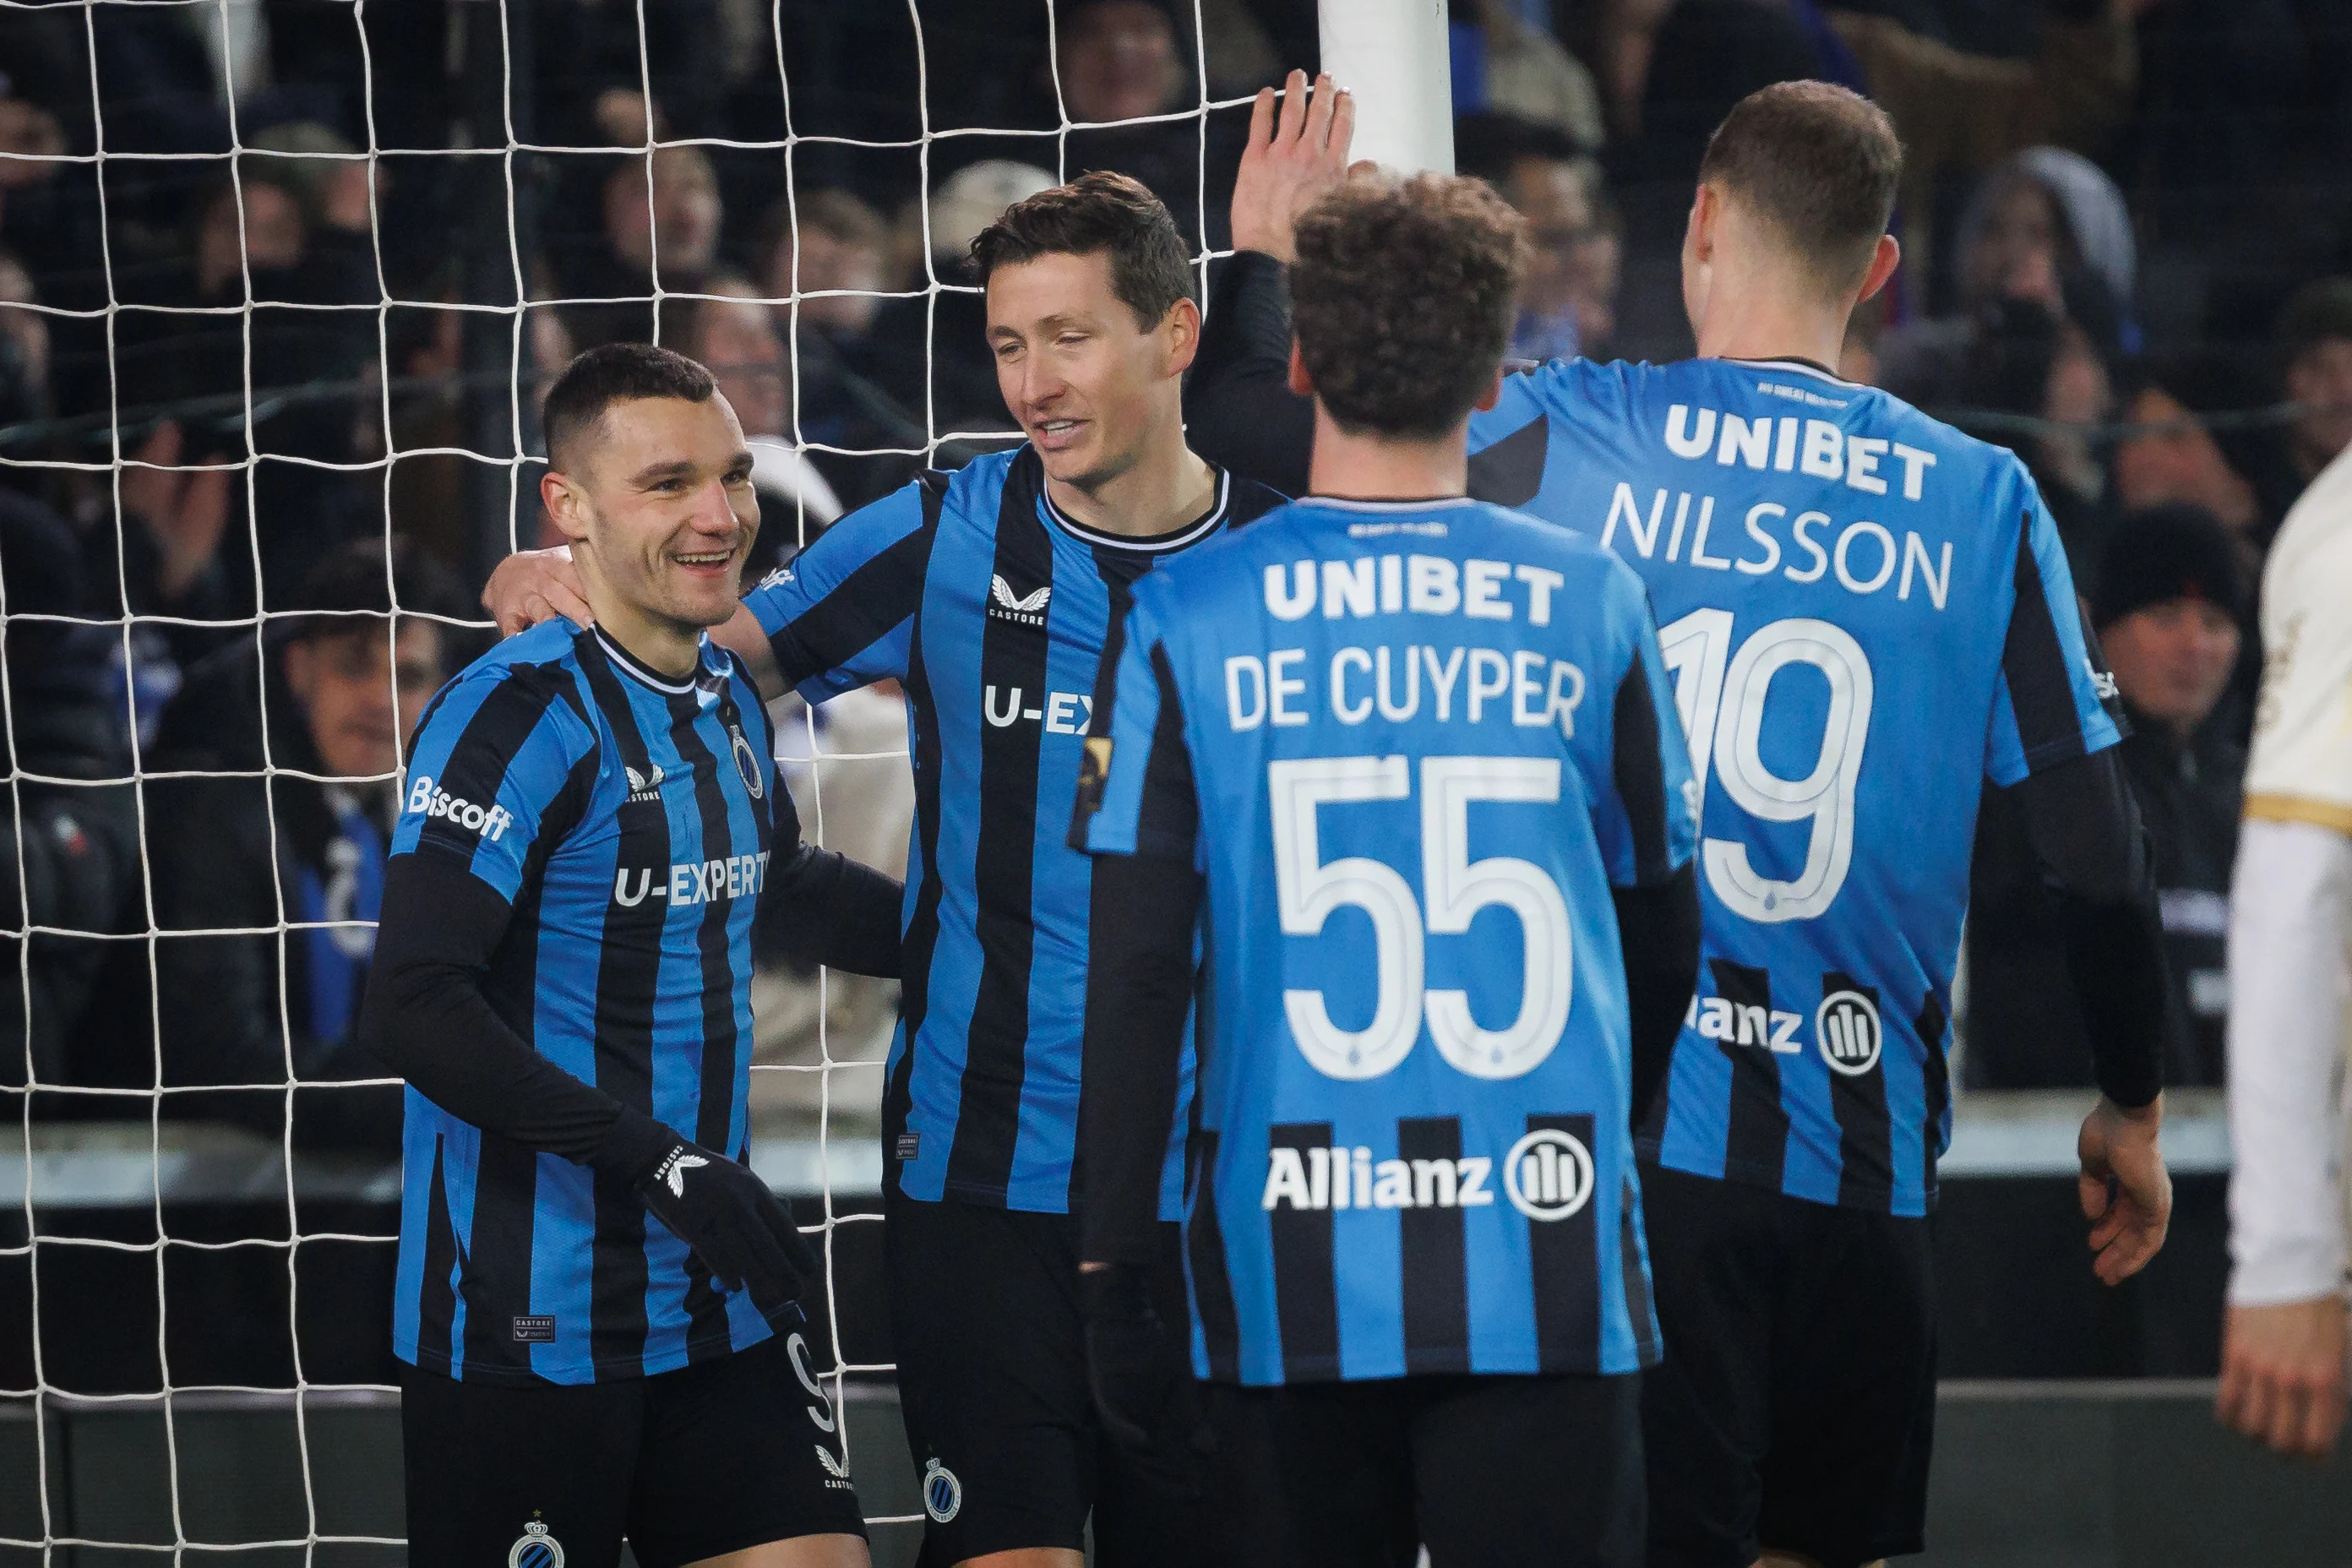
(1868, 618)
(2283, 1344)
(596, 1296)
(1411, 761)
(988, 592)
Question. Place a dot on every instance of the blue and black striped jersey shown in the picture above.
(991, 607)
(627, 820)
(1868, 617)
(1411, 747)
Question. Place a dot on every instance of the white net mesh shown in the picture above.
(193, 1306)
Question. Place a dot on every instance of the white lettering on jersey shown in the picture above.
(1369, 586)
(1343, 1178)
(1864, 553)
(490, 821)
(1784, 444)
(1065, 712)
(694, 881)
(1538, 690)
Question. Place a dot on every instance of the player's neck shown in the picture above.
(1763, 317)
(664, 646)
(1375, 468)
(1165, 488)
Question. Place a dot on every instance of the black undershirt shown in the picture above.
(427, 1018)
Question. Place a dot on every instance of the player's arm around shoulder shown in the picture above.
(838, 615)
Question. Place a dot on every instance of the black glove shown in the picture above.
(1139, 1365)
(742, 1232)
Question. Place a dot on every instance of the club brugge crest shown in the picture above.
(747, 762)
(537, 1549)
(942, 1493)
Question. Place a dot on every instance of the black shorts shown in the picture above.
(1796, 1404)
(992, 1384)
(1534, 1472)
(685, 1465)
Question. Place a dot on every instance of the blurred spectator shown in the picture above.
(931, 355)
(328, 702)
(2315, 347)
(1959, 111)
(24, 347)
(831, 244)
(1133, 60)
(662, 217)
(2171, 456)
(2040, 374)
(2048, 227)
(1503, 65)
(68, 852)
(2168, 612)
(1567, 299)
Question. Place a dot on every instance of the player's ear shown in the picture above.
(566, 504)
(1301, 383)
(1181, 328)
(1493, 392)
(1883, 262)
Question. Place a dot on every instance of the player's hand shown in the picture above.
(2126, 1192)
(1140, 1369)
(742, 1232)
(2283, 1376)
(1292, 158)
(533, 586)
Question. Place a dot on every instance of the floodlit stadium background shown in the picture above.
(276, 277)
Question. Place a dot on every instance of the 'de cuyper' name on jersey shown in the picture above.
(628, 821)
(1411, 747)
(1866, 614)
(990, 606)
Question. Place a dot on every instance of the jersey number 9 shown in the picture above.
(1309, 888)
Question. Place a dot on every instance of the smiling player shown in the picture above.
(595, 1296)
(988, 594)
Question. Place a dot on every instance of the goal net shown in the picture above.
(279, 286)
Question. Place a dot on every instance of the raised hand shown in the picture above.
(1292, 158)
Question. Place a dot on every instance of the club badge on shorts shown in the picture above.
(942, 1493)
(537, 1549)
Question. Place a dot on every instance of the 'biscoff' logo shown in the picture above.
(489, 821)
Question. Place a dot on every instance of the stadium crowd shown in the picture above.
(2128, 244)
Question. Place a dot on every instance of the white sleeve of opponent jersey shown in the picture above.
(2291, 924)
(2290, 914)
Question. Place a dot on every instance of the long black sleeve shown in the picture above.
(822, 907)
(426, 1018)
(1657, 926)
(1239, 410)
(2085, 831)
(1139, 988)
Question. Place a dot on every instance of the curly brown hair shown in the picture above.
(1402, 297)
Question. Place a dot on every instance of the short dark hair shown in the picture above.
(1098, 213)
(2315, 313)
(610, 373)
(1403, 297)
(1819, 163)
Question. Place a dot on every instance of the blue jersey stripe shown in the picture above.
(633, 816)
(1847, 588)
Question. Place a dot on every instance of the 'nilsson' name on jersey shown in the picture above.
(1472, 682)
(1861, 555)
